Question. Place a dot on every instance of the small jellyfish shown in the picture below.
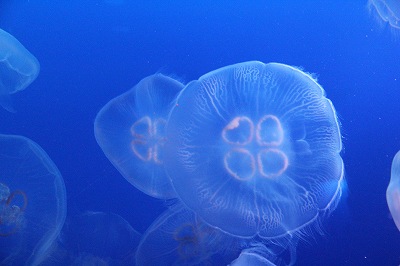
(178, 237)
(95, 238)
(268, 253)
(254, 149)
(18, 68)
(393, 190)
(32, 202)
(252, 256)
(130, 130)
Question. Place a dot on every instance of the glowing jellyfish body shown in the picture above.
(253, 148)
(178, 237)
(32, 202)
(130, 129)
(387, 11)
(18, 68)
(393, 190)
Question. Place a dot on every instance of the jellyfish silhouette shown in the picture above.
(18, 68)
(95, 238)
(254, 149)
(178, 237)
(130, 129)
(32, 202)
(393, 191)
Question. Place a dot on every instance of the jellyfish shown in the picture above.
(254, 149)
(387, 14)
(178, 237)
(32, 202)
(96, 238)
(18, 68)
(130, 130)
(252, 256)
(267, 253)
(393, 191)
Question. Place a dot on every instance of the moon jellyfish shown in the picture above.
(387, 15)
(254, 149)
(252, 256)
(130, 129)
(178, 237)
(18, 68)
(32, 202)
(393, 191)
(387, 10)
(96, 238)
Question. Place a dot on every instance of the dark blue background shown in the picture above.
(92, 51)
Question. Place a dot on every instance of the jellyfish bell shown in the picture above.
(254, 149)
(393, 191)
(178, 237)
(387, 14)
(130, 130)
(95, 238)
(18, 68)
(32, 202)
(253, 256)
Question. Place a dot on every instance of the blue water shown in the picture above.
(92, 51)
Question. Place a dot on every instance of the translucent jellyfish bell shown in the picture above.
(393, 191)
(253, 148)
(178, 237)
(130, 129)
(252, 256)
(18, 68)
(32, 202)
(96, 238)
(387, 11)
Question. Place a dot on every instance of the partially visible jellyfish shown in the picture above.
(18, 68)
(32, 202)
(252, 256)
(268, 253)
(386, 11)
(130, 130)
(96, 238)
(393, 190)
(254, 149)
(178, 237)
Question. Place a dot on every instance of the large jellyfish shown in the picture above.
(254, 149)
(32, 202)
(18, 68)
(178, 237)
(130, 129)
(393, 191)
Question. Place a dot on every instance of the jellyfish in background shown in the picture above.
(130, 130)
(32, 202)
(254, 149)
(253, 256)
(393, 191)
(178, 237)
(387, 13)
(95, 238)
(18, 68)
